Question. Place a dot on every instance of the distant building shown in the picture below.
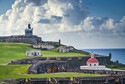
(29, 31)
(33, 53)
(44, 46)
(93, 64)
(65, 49)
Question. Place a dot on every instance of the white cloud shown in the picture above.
(55, 15)
(109, 24)
(87, 24)
(54, 19)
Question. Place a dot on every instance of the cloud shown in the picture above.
(46, 21)
(36, 2)
(43, 13)
(65, 19)
(57, 16)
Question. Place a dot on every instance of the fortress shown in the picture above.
(27, 38)
(43, 65)
(72, 62)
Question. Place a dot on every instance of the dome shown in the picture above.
(92, 60)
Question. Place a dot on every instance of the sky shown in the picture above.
(84, 24)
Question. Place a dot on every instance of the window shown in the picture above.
(90, 65)
(94, 64)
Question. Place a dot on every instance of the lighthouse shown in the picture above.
(29, 31)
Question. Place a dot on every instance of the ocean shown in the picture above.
(117, 54)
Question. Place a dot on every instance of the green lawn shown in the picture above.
(55, 53)
(20, 71)
(13, 51)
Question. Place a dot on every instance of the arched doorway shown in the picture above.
(35, 54)
(60, 69)
(55, 69)
(49, 71)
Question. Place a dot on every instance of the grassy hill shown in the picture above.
(20, 71)
(13, 51)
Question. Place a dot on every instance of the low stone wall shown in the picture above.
(72, 62)
(61, 80)
(105, 72)
(15, 81)
(38, 80)
(67, 80)
(94, 80)
(28, 61)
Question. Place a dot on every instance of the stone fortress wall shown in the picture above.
(21, 39)
(72, 62)
(67, 80)
(27, 38)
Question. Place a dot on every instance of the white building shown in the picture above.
(33, 52)
(93, 64)
(65, 49)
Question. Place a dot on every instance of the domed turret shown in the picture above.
(92, 60)
(93, 64)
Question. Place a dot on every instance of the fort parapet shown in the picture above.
(67, 80)
(21, 39)
(72, 62)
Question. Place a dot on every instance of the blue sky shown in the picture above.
(5, 5)
(90, 24)
(98, 8)
(106, 8)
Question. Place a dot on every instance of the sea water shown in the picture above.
(117, 54)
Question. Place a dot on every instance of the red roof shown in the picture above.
(92, 60)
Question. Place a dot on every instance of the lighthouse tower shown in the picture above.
(29, 31)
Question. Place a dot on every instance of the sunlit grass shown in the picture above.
(20, 71)
(14, 51)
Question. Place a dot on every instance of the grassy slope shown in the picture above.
(55, 53)
(13, 51)
(116, 65)
(20, 71)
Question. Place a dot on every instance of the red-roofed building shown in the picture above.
(93, 64)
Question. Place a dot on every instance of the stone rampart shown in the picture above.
(21, 39)
(105, 72)
(67, 80)
(94, 80)
(72, 62)
(28, 61)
